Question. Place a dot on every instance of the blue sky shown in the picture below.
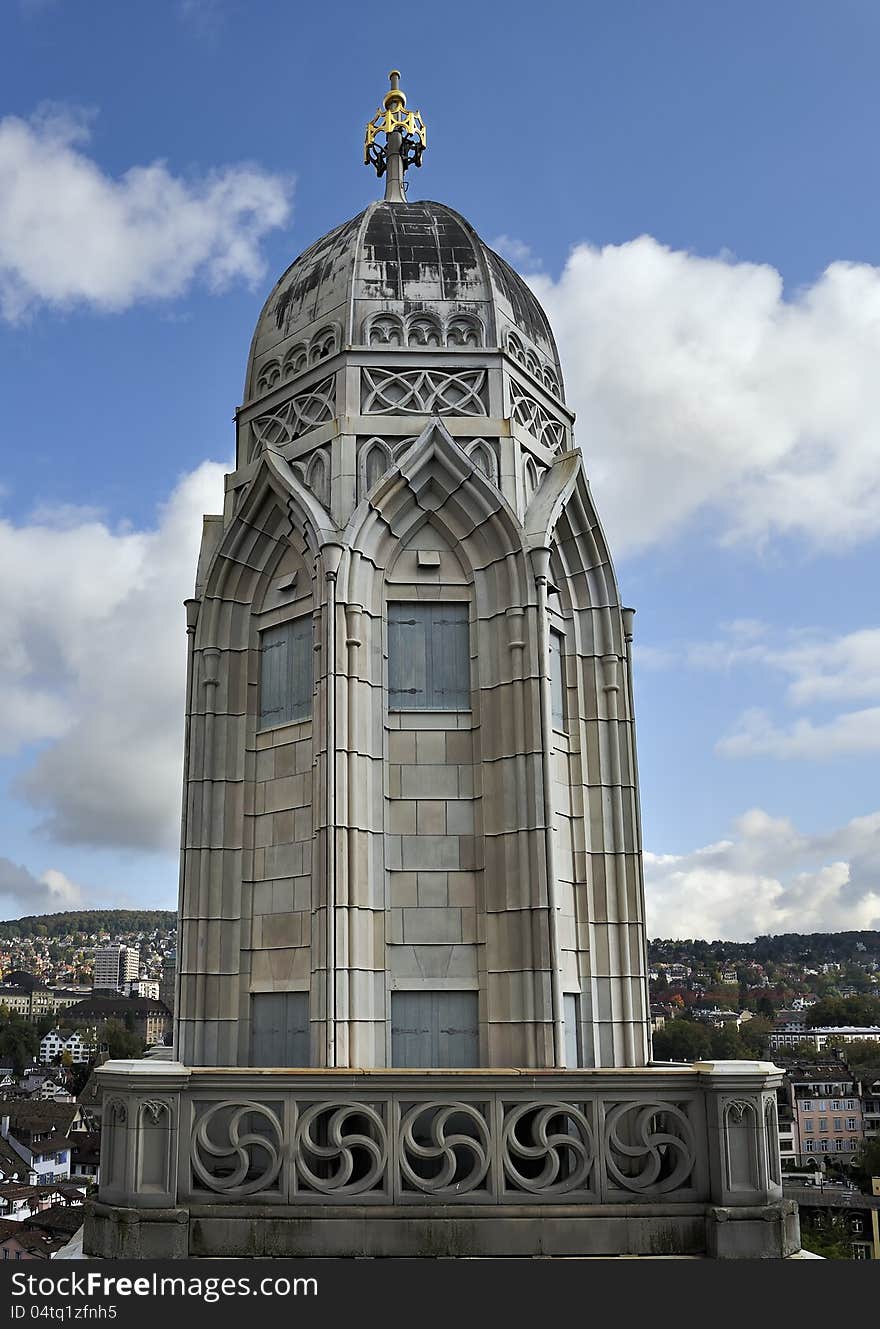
(692, 190)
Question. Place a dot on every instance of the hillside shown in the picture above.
(89, 921)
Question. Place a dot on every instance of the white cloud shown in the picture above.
(22, 893)
(821, 668)
(205, 16)
(768, 878)
(849, 733)
(516, 251)
(92, 665)
(72, 235)
(700, 389)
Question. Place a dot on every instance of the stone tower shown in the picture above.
(411, 851)
(411, 821)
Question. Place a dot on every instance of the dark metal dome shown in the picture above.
(403, 275)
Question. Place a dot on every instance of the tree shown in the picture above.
(18, 1041)
(726, 1044)
(120, 1041)
(754, 1035)
(867, 1163)
(863, 1057)
(845, 1010)
(682, 1040)
(830, 1238)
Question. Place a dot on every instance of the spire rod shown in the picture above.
(405, 140)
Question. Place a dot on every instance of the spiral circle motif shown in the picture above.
(236, 1145)
(660, 1153)
(426, 1136)
(324, 1133)
(557, 1133)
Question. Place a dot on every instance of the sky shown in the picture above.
(691, 190)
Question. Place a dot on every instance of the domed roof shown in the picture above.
(400, 275)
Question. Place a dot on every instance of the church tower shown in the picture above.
(412, 1014)
(411, 821)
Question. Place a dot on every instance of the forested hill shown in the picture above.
(786, 948)
(89, 921)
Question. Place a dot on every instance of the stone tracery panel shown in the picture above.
(483, 455)
(375, 457)
(300, 357)
(314, 472)
(535, 419)
(650, 1148)
(237, 1148)
(532, 362)
(295, 417)
(547, 1148)
(445, 1148)
(340, 1149)
(424, 328)
(423, 392)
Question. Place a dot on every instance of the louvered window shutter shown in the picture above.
(273, 675)
(557, 681)
(286, 672)
(428, 656)
(408, 627)
(301, 658)
(449, 664)
(280, 1029)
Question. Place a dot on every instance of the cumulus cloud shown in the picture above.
(820, 669)
(849, 733)
(23, 893)
(821, 666)
(701, 389)
(92, 667)
(516, 251)
(768, 878)
(72, 235)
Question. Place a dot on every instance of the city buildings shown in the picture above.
(168, 980)
(827, 1105)
(145, 987)
(115, 967)
(143, 1016)
(792, 1035)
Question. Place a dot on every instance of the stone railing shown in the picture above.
(671, 1139)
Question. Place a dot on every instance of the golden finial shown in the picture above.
(405, 139)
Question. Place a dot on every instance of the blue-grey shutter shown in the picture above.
(428, 656)
(280, 1029)
(457, 1029)
(410, 1029)
(407, 656)
(557, 688)
(286, 672)
(301, 665)
(435, 1029)
(449, 660)
(273, 675)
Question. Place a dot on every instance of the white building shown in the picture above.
(145, 987)
(115, 967)
(46, 1153)
(58, 1041)
(792, 1035)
